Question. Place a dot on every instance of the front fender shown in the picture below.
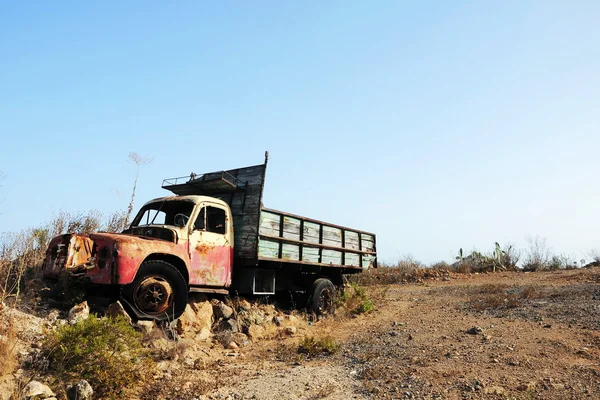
(127, 253)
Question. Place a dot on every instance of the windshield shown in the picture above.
(174, 212)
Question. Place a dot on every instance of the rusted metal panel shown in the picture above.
(67, 252)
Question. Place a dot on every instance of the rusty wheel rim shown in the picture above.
(153, 295)
(325, 301)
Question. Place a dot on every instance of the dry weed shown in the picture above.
(8, 343)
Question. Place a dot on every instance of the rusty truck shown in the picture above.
(213, 235)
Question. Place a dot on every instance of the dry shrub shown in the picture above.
(325, 391)
(289, 354)
(314, 346)
(8, 343)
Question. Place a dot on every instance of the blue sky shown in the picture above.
(436, 125)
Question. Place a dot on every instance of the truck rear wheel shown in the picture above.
(158, 292)
(322, 297)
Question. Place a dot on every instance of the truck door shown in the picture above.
(211, 247)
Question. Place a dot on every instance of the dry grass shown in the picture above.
(314, 346)
(497, 296)
(325, 391)
(397, 275)
(8, 344)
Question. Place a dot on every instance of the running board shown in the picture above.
(208, 290)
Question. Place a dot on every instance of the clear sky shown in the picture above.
(434, 124)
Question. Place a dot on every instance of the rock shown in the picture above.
(161, 344)
(82, 390)
(78, 313)
(256, 332)
(116, 309)
(146, 326)
(200, 363)
(526, 387)
(292, 319)
(475, 330)
(245, 305)
(186, 321)
(188, 362)
(8, 385)
(221, 310)
(290, 330)
(230, 325)
(278, 320)
(499, 390)
(240, 339)
(198, 315)
(36, 390)
(247, 318)
(203, 311)
(53, 316)
(232, 346)
(203, 335)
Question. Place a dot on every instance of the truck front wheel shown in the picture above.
(158, 292)
(322, 297)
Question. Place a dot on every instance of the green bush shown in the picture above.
(107, 352)
(365, 306)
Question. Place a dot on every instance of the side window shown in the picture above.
(215, 220)
(199, 224)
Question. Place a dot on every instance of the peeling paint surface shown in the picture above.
(211, 258)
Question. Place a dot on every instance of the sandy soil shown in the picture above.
(533, 336)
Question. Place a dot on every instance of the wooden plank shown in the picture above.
(316, 221)
(319, 246)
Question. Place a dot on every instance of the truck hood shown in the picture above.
(77, 253)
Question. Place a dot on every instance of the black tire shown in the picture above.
(322, 297)
(158, 292)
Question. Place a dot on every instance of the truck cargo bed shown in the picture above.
(291, 238)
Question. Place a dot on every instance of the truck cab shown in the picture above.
(173, 243)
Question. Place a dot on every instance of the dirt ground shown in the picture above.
(489, 336)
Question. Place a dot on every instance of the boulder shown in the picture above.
(36, 391)
(81, 390)
(198, 315)
(230, 325)
(116, 309)
(78, 313)
(221, 310)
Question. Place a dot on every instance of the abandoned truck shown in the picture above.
(214, 236)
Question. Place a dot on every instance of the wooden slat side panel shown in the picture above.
(304, 237)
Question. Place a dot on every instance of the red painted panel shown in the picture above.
(211, 265)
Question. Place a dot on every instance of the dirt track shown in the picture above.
(539, 339)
